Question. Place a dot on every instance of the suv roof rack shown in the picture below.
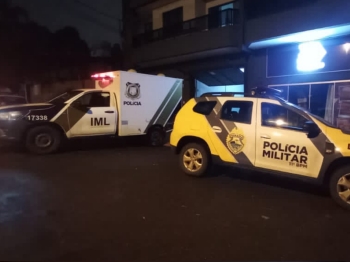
(222, 94)
(259, 92)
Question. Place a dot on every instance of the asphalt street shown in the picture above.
(131, 203)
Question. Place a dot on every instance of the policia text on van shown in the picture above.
(122, 104)
(263, 133)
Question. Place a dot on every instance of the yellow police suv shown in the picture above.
(262, 131)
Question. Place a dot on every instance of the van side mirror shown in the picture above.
(77, 103)
(312, 129)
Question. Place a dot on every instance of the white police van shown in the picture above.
(122, 104)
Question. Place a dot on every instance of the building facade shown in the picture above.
(198, 40)
(301, 47)
(304, 52)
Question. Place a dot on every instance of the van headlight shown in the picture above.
(14, 115)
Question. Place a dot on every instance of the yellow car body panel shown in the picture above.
(239, 131)
(194, 126)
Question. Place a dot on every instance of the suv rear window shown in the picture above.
(237, 111)
(204, 107)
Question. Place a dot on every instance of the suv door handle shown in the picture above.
(216, 129)
(109, 112)
(265, 137)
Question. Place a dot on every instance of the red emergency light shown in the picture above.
(103, 76)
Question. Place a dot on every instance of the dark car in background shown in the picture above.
(8, 100)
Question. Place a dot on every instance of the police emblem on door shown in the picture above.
(235, 141)
(132, 91)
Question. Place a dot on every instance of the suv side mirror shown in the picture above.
(312, 129)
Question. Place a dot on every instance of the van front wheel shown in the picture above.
(340, 187)
(43, 140)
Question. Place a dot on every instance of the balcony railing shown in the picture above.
(223, 18)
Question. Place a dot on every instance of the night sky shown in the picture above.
(93, 26)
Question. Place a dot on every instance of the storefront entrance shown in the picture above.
(329, 100)
(229, 79)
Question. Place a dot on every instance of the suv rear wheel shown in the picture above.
(340, 187)
(194, 160)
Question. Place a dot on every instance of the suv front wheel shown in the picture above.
(194, 160)
(340, 186)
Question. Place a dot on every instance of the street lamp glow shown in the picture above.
(346, 47)
(310, 56)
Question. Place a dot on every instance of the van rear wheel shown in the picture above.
(194, 160)
(340, 187)
(43, 140)
(156, 136)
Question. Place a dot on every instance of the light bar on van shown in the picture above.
(103, 76)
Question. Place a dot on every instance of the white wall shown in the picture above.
(202, 88)
(218, 2)
(321, 14)
(189, 11)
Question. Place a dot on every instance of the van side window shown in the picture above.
(237, 111)
(278, 116)
(94, 99)
(204, 107)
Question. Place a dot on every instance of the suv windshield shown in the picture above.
(65, 97)
(322, 120)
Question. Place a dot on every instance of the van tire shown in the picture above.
(200, 156)
(156, 137)
(43, 140)
(343, 172)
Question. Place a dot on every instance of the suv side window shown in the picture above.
(237, 111)
(204, 107)
(94, 99)
(278, 116)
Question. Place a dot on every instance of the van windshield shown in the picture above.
(65, 97)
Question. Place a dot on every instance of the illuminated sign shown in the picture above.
(310, 56)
